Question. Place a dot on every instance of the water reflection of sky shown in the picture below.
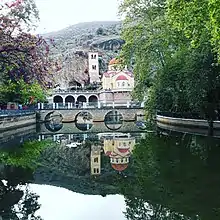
(59, 203)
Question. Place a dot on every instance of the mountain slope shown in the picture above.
(73, 43)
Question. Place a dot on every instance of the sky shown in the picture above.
(59, 203)
(58, 14)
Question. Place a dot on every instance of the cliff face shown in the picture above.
(73, 43)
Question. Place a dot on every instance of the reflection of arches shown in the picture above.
(93, 98)
(81, 98)
(53, 121)
(84, 121)
(70, 99)
(113, 120)
(58, 99)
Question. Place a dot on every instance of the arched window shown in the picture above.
(123, 84)
(58, 99)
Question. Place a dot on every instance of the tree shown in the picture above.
(24, 57)
(199, 20)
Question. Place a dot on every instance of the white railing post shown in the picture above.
(54, 105)
(128, 104)
(57, 105)
(99, 104)
(38, 105)
(113, 104)
(142, 104)
(71, 105)
(42, 105)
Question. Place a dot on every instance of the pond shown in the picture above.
(110, 175)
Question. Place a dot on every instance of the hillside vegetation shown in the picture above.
(72, 44)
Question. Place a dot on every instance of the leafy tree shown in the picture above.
(22, 92)
(23, 56)
(198, 20)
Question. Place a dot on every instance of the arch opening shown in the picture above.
(93, 100)
(58, 99)
(70, 99)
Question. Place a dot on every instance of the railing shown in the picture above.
(16, 112)
(90, 105)
(187, 115)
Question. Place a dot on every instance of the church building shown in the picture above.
(117, 83)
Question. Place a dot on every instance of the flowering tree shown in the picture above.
(23, 56)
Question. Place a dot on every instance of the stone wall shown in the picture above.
(12, 122)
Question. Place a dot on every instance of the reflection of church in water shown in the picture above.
(118, 149)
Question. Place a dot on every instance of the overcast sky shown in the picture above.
(58, 14)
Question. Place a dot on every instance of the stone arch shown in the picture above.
(70, 99)
(93, 99)
(81, 99)
(58, 99)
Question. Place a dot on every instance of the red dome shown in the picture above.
(123, 150)
(121, 77)
(119, 167)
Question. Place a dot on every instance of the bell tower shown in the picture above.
(94, 67)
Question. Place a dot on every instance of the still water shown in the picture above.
(108, 175)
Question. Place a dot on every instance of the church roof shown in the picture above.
(121, 77)
(123, 150)
(114, 73)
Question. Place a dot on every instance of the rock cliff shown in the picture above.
(72, 44)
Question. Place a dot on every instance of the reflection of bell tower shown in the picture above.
(95, 160)
(94, 67)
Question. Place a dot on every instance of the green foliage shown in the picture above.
(21, 92)
(197, 18)
(171, 177)
(172, 54)
(25, 156)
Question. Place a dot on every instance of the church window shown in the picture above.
(128, 84)
(95, 56)
(123, 84)
(118, 84)
(96, 160)
(94, 170)
(94, 67)
(92, 56)
(116, 160)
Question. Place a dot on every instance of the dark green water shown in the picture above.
(110, 176)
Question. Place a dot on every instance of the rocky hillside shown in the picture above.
(73, 43)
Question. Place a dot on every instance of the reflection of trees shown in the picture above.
(174, 182)
(25, 155)
(17, 202)
(139, 209)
